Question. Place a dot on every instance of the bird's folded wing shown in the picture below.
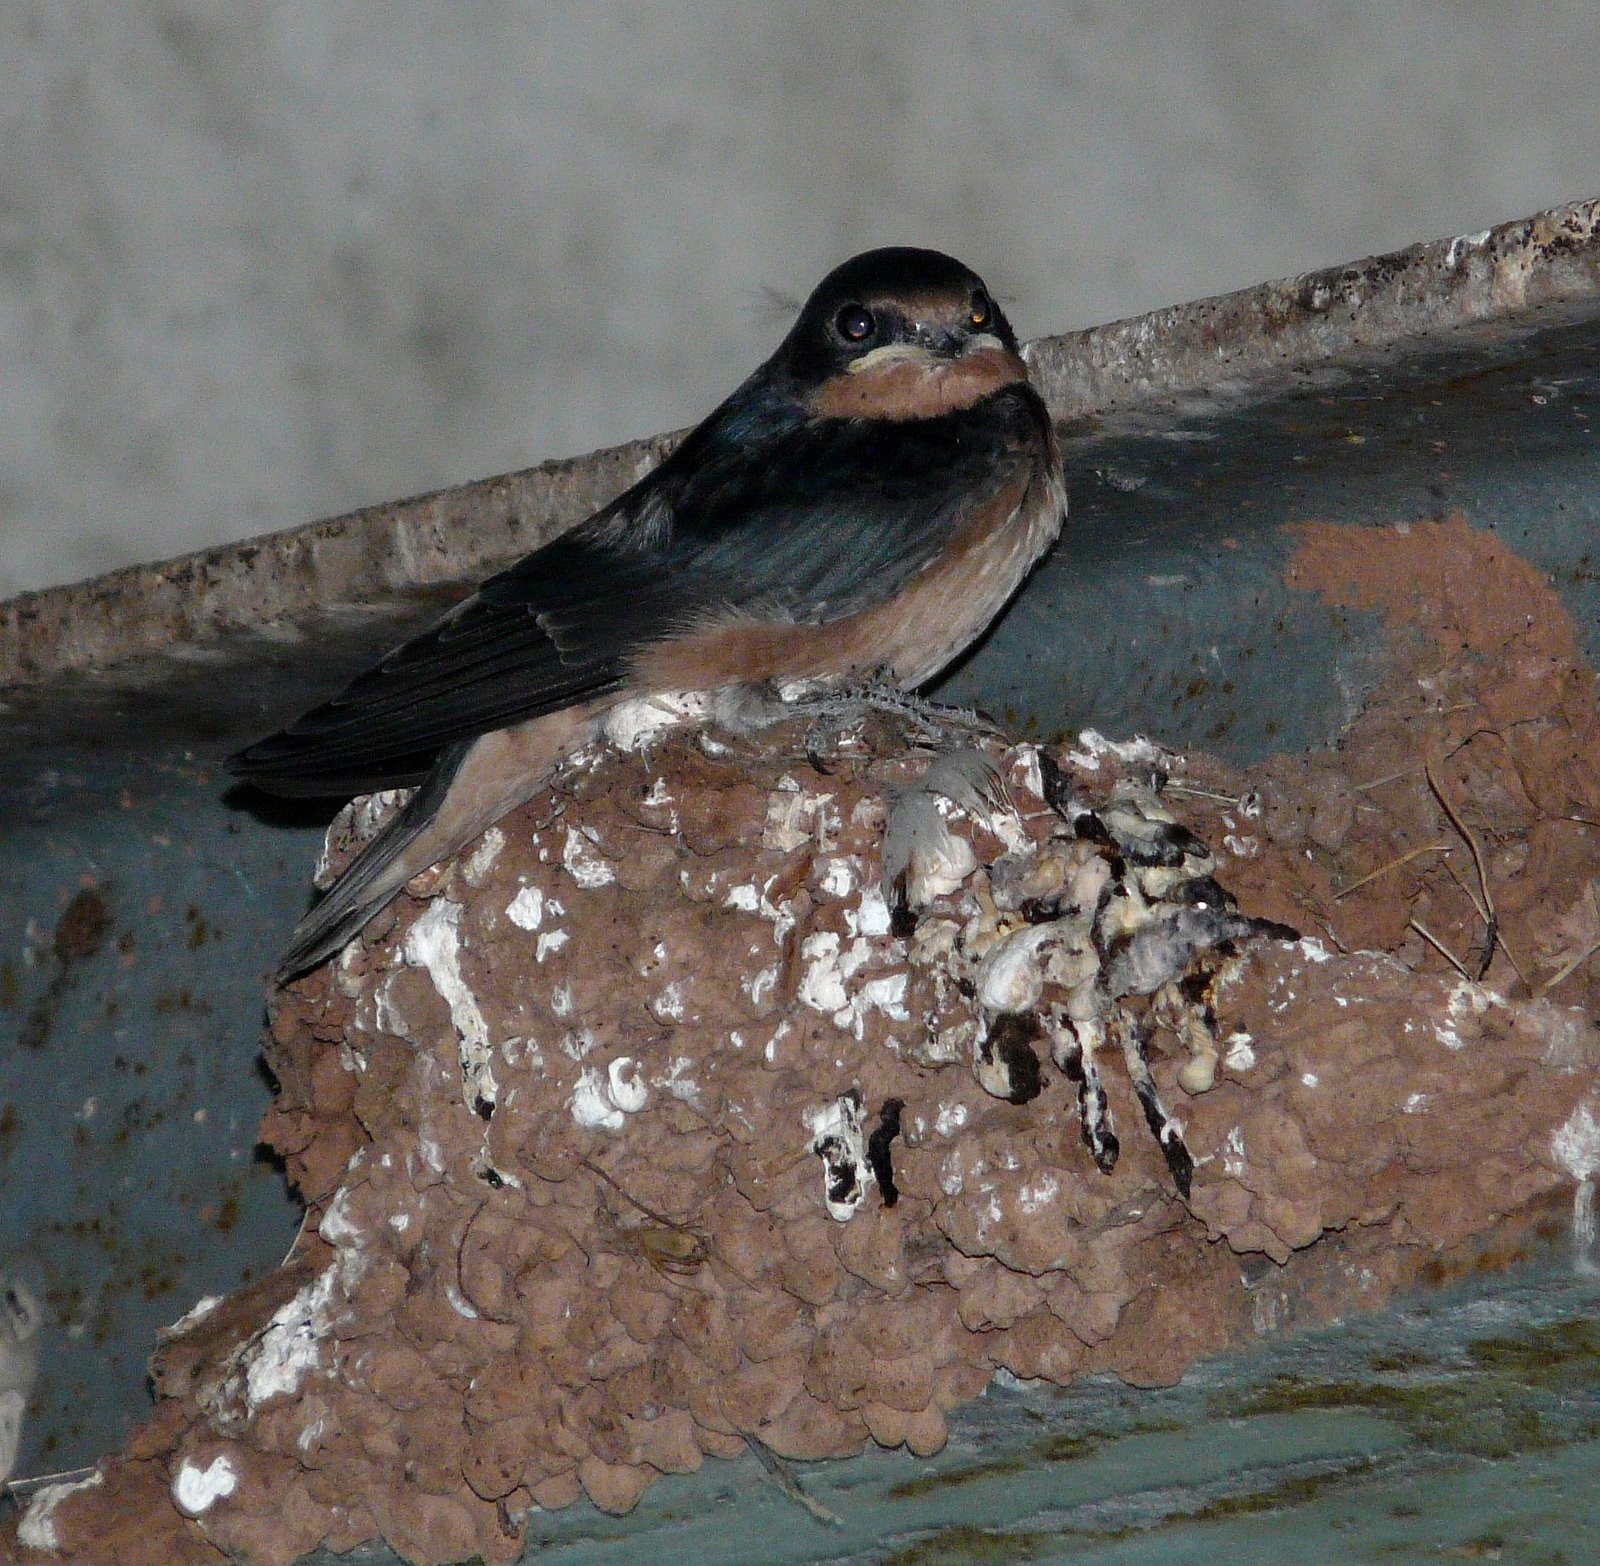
(803, 522)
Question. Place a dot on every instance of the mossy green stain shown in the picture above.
(961, 1545)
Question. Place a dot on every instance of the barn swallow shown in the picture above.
(863, 505)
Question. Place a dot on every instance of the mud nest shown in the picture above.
(657, 1121)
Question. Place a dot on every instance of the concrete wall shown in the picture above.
(265, 262)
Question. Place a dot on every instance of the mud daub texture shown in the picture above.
(555, 1118)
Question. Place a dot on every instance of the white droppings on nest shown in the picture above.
(1576, 1148)
(746, 898)
(952, 1181)
(1039, 1194)
(195, 1314)
(591, 1103)
(838, 877)
(870, 916)
(795, 817)
(481, 861)
(526, 909)
(626, 1085)
(522, 1054)
(1241, 847)
(355, 826)
(1313, 950)
(290, 1347)
(37, 1528)
(1233, 1153)
(577, 1042)
(951, 1118)
(196, 1489)
(310, 1435)
(633, 725)
(338, 1228)
(1414, 1103)
(1309, 1079)
(386, 1017)
(582, 860)
(668, 1004)
(822, 986)
(460, 1306)
(675, 1082)
(1094, 747)
(1026, 775)
(1241, 1055)
(759, 985)
(561, 1000)
(838, 1139)
(549, 942)
(434, 943)
(885, 994)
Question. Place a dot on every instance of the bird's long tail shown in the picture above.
(472, 785)
(373, 876)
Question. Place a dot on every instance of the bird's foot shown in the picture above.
(835, 712)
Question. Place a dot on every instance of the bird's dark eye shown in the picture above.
(980, 312)
(854, 323)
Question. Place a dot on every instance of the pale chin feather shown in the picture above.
(916, 353)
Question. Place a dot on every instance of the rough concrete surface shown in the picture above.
(265, 263)
(586, 1124)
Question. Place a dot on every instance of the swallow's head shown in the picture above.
(900, 333)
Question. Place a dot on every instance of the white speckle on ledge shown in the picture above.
(1241, 1055)
(1310, 1079)
(1313, 950)
(526, 909)
(549, 941)
(584, 863)
(951, 1119)
(745, 898)
(196, 1489)
(1040, 1194)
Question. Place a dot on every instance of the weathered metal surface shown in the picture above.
(1463, 375)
